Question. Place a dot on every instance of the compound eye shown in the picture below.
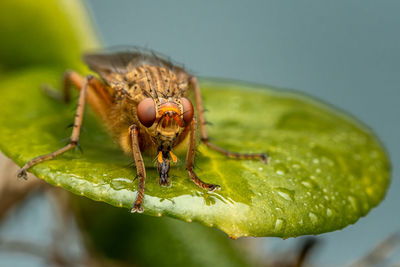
(146, 112)
(187, 110)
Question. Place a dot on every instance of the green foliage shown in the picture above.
(46, 33)
(150, 241)
(326, 169)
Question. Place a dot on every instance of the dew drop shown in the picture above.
(280, 172)
(278, 209)
(285, 193)
(329, 212)
(120, 183)
(315, 161)
(353, 202)
(313, 217)
(278, 224)
(280, 169)
(306, 184)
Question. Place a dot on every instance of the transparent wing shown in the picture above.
(111, 64)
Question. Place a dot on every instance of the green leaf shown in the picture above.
(45, 33)
(326, 169)
(150, 241)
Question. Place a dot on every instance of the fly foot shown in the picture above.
(137, 207)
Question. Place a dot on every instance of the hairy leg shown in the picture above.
(203, 131)
(140, 169)
(75, 131)
(190, 160)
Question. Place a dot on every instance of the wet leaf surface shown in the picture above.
(326, 170)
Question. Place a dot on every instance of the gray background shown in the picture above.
(344, 52)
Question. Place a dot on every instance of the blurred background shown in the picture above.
(343, 52)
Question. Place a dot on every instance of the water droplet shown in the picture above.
(189, 220)
(120, 183)
(280, 169)
(318, 170)
(260, 168)
(353, 202)
(285, 193)
(313, 217)
(278, 209)
(306, 184)
(159, 214)
(315, 161)
(278, 224)
(329, 212)
(296, 166)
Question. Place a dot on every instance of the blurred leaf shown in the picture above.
(44, 32)
(326, 169)
(150, 241)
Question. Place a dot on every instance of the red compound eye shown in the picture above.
(146, 112)
(187, 110)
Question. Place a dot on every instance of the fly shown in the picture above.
(142, 98)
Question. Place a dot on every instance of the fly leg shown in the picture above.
(97, 95)
(190, 160)
(75, 132)
(203, 131)
(140, 169)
